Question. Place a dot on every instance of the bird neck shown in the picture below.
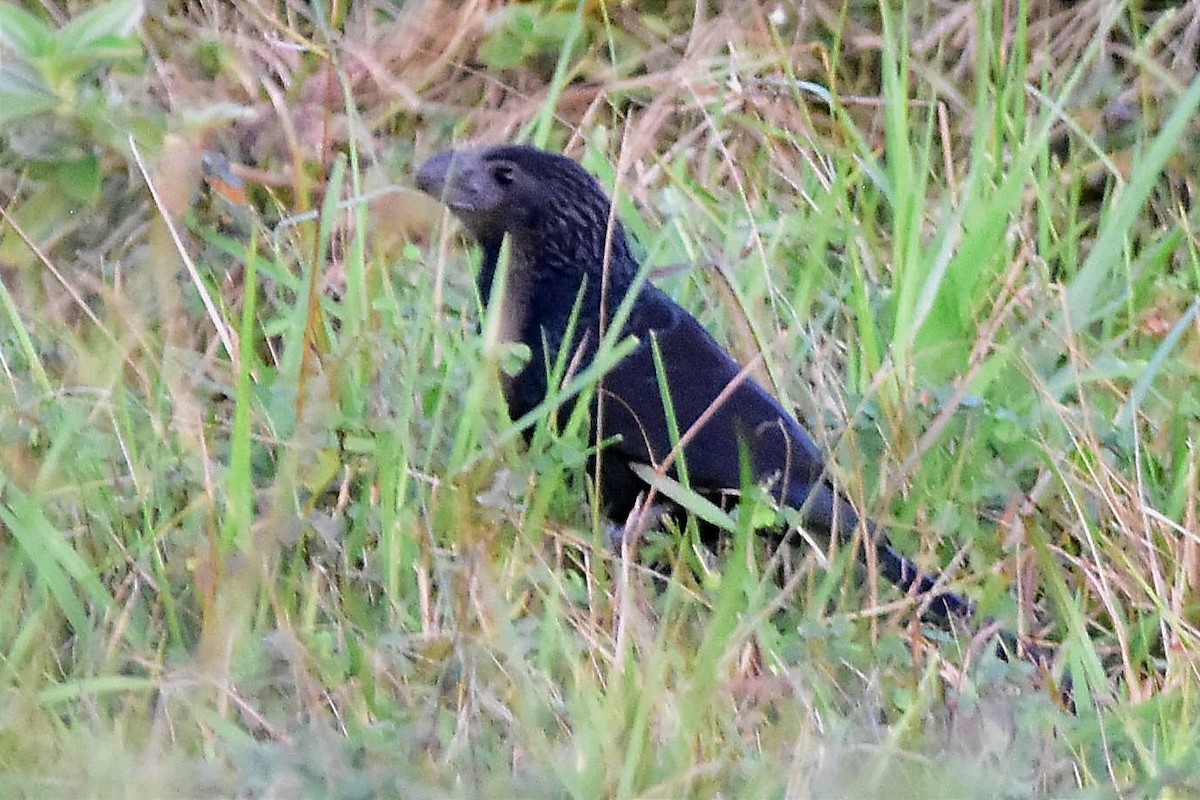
(545, 262)
(487, 271)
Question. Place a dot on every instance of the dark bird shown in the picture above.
(566, 252)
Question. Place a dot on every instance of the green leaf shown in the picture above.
(96, 28)
(523, 23)
(554, 27)
(513, 357)
(80, 178)
(16, 104)
(20, 78)
(688, 500)
(22, 33)
(88, 689)
(39, 215)
(502, 51)
(100, 52)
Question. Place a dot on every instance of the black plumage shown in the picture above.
(566, 249)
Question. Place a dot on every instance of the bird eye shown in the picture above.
(502, 174)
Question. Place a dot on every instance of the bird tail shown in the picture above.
(940, 603)
(823, 507)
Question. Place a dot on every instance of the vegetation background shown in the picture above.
(265, 530)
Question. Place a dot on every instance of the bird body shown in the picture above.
(567, 252)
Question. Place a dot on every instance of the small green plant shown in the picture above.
(526, 32)
(59, 112)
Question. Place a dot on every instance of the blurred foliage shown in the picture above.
(525, 32)
(64, 118)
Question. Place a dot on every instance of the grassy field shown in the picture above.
(267, 532)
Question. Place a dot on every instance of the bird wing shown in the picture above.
(748, 419)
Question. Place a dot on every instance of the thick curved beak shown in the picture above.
(434, 175)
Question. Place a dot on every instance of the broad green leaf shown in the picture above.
(18, 105)
(116, 19)
(502, 51)
(98, 52)
(80, 178)
(22, 33)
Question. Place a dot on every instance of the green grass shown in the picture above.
(266, 530)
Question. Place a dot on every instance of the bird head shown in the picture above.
(553, 209)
